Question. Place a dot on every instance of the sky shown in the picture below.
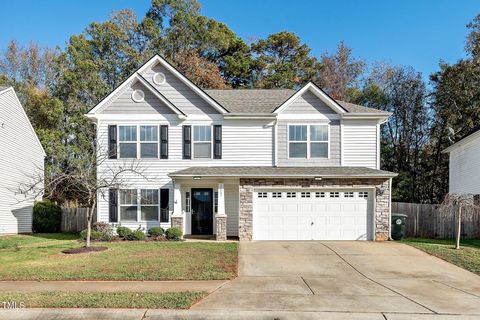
(416, 33)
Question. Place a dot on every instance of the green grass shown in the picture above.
(50, 299)
(39, 257)
(467, 257)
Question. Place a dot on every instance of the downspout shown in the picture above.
(275, 148)
(390, 211)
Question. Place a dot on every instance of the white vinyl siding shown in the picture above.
(360, 143)
(124, 103)
(283, 158)
(308, 103)
(244, 143)
(464, 168)
(21, 157)
(179, 93)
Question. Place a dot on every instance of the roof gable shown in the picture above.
(124, 103)
(7, 90)
(179, 93)
(319, 93)
(137, 76)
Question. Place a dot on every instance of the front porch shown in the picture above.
(206, 208)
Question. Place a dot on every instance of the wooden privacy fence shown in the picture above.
(74, 219)
(433, 221)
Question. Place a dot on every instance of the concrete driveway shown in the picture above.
(386, 278)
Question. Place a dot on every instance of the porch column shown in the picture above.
(177, 216)
(221, 217)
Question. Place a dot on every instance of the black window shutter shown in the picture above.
(163, 142)
(113, 206)
(187, 142)
(112, 142)
(164, 201)
(217, 141)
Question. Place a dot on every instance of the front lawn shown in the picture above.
(467, 257)
(39, 257)
(49, 299)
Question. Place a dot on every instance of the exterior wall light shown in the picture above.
(318, 178)
(197, 178)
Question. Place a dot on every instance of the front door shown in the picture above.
(202, 211)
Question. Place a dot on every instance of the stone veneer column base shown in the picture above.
(221, 227)
(177, 222)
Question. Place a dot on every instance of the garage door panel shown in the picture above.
(346, 217)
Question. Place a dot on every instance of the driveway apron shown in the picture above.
(345, 276)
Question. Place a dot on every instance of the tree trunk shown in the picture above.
(459, 226)
(89, 228)
(89, 222)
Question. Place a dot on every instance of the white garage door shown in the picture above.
(312, 215)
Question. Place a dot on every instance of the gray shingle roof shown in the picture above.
(331, 172)
(250, 100)
(267, 100)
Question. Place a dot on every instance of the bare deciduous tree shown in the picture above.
(83, 179)
(459, 203)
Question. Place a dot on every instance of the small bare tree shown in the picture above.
(89, 177)
(459, 203)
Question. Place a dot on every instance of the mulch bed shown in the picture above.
(84, 250)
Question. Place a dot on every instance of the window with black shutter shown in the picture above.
(113, 205)
(163, 142)
(187, 142)
(112, 142)
(217, 136)
(164, 202)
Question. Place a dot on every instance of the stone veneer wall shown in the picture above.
(381, 210)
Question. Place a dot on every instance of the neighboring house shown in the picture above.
(258, 164)
(21, 158)
(464, 167)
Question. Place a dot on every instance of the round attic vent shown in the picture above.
(159, 78)
(138, 95)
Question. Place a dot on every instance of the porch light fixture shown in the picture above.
(317, 178)
(381, 190)
(197, 178)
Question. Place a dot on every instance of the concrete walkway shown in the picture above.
(111, 286)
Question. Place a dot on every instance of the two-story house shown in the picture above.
(258, 164)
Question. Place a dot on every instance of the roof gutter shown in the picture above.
(462, 142)
(270, 116)
(180, 175)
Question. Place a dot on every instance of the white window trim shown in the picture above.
(194, 142)
(138, 141)
(139, 206)
(309, 141)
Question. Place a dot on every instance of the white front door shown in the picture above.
(312, 215)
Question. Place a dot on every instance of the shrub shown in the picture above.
(97, 235)
(136, 235)
(105, 229)
(47, 217)
(173, 233)
(156, 232)
(94, 235)
(123, 232)
(102, 227)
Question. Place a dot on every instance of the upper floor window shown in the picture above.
(138, 141)
(128, 141)
(308, 141)
(202, 141)
(148, 142)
